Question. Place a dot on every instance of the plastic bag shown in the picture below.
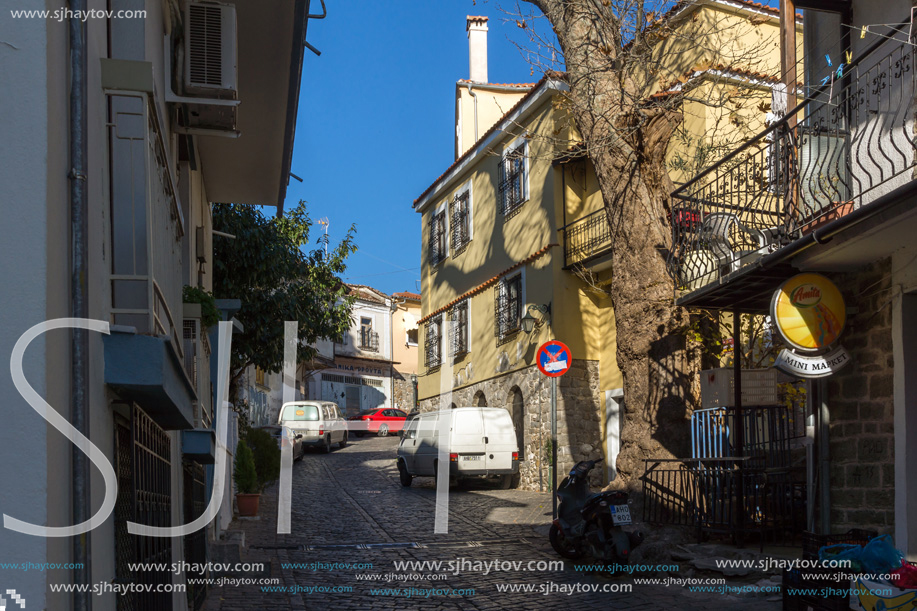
(880, 556)
(905, 577)
(842, 552)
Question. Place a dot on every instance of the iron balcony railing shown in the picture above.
(586, 238)
(369, 341)
(849, 142)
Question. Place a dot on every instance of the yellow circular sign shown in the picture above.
(809, 312)
(300, 412)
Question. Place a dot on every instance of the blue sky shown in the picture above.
(376, 120)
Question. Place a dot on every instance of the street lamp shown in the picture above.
(530, 323)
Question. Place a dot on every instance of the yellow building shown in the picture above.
(516, 227)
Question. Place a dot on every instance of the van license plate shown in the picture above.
(470, 458)
(620, 514)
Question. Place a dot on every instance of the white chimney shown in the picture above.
(477, 48)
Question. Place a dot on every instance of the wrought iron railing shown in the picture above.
(433, 345)
(369, 341)
(586, 238)
(849, 142)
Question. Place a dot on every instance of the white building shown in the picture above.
(361, 375)
(116, 143)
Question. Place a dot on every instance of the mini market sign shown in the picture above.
(809, 313)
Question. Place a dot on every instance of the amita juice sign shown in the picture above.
(809, 312)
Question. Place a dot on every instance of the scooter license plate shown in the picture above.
(620, 514)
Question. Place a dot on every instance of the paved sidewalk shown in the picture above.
(352, 520)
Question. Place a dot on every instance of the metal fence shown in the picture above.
(586, 238)
(848, 143)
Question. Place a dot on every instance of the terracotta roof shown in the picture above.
(476, 18)
(487, 283)
(675, 87)
(548, 75)
(366, 293)
(516, 85)
(407, 295)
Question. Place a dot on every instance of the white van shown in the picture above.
(319, 422)
(479, 441)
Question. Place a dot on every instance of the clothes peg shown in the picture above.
(840, 70)
(849, 57)
(863, 31)
(828, 59)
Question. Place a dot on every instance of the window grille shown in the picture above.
(460, 328)
(461, 221)
(438, 237)
(508, 307)
(432, 349)
(513, 180)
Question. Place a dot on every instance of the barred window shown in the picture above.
(460, 328)
(508, 307)
(438, 244)
(432, 343)
(369, 339)
(461, 221)
(514, 183)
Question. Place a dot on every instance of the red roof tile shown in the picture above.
(487, 283)
(516, 85)
(407, 295)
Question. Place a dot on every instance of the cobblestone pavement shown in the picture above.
(351, 498)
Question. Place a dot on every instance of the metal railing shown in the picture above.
(586, 238)
(369, 341)
(845, 145)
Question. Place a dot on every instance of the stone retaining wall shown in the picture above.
(579, 409)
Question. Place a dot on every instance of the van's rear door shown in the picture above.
(500, 439)
(468, 439)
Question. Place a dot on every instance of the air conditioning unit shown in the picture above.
(211, 49)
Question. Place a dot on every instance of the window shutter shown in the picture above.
(502, 179)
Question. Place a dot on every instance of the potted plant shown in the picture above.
(266, 457)
(248, 495)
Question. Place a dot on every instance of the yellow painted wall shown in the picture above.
(492, 104)
(403, 318)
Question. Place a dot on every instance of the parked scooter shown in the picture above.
(590, 524)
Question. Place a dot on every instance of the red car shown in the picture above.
(380, 421)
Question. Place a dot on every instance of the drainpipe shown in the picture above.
(79, 339)
(475, 97)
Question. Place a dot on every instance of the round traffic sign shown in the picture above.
(554, 359)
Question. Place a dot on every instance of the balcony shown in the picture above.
(369, 341)
(839, 151)
(587, 240)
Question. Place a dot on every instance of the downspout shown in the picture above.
(475, 97)
(79, 339)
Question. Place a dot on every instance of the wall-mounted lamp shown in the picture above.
(530, 323)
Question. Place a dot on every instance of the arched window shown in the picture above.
(517, 409)
(479, 399)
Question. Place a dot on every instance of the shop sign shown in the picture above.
(805, 366)
(809, 313)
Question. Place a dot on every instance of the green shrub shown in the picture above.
(267, 456)
(244, 469)
(210, 315)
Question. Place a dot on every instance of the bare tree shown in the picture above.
(630, 66)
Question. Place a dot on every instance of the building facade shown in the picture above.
(147, 146)
(517, 226)
(836, 196)
(406, 312)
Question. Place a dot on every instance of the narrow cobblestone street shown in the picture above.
(348, 507)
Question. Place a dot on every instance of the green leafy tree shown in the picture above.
(268, 267)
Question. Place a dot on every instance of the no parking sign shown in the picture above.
(554, 359)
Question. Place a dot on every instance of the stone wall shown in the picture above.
(579, 409)
(861, 407)
(404, 391)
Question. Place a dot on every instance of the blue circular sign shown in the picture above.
(554, 359)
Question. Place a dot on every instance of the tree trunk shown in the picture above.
(627, 140)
